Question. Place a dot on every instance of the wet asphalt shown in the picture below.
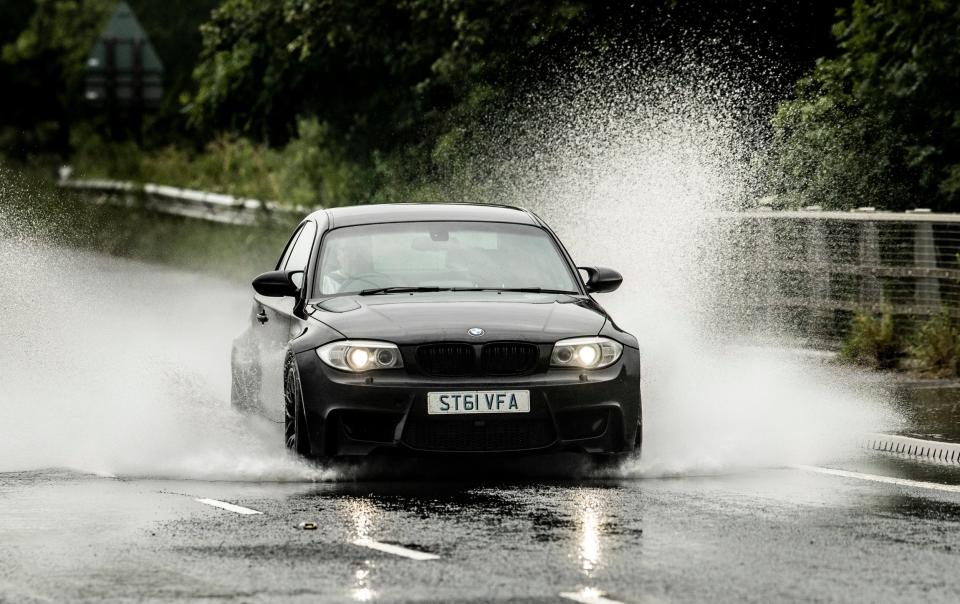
(759, 536)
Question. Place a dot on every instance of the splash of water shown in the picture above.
(122, 368)
(631, 169)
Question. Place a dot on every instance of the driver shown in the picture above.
(352, 262)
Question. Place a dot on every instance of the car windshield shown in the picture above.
(441, 255)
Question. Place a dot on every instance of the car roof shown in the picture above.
(424, 212)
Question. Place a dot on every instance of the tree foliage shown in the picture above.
(44, 49)
(381, 73)
(367, 97)
(879, 124)
(400, 85)
(45, 63)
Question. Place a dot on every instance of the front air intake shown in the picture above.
(512, 434)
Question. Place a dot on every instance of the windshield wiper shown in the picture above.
(402, 289)
(523, 290)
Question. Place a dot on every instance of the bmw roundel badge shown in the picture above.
(475, 332)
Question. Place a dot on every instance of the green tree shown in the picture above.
(879, 124)
(174, 30)
(44, 62)
(47, 62)
(381, 75)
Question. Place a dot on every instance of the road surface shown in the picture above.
(758, 536)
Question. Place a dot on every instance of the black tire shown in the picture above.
(638, 439)
(608, 461)
(295, 419)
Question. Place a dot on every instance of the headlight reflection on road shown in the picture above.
(362, 592)
(364, 516)
(589, 517)
(589, 540)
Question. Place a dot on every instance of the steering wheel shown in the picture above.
(368, 278)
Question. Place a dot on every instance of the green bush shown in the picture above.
(228, 164)
(872, 340)
(311, 170)
(935, 347)
(316, 170)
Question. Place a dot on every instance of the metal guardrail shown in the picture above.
(943, 452)
(814, 269)
(190, 203)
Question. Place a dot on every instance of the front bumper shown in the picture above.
(590, 411)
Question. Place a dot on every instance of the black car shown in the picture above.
(437, 329)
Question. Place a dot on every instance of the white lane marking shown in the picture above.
(395, 550)
(239, 509)
(588, 595)
(903, 482)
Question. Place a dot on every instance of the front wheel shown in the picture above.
(295, 419)
(610, 461)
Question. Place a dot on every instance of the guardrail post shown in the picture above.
(927, 291)
(871, 294)
(767, 263)
(818, 275)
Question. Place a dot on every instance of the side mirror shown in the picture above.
(278, 284)
(601, 280)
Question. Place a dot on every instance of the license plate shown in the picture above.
(478, 401)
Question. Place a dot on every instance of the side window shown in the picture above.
(289, 249)
(300, 253)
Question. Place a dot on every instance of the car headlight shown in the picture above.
(360, 355)
(586, 353)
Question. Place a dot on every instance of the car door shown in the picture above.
(274, 318)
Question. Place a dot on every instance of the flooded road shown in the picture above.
(776, 534)
(931, 409)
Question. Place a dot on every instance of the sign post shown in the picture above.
(124, 75)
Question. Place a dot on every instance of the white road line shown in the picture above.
(228, 506)
(395, 550)
(903, 482)
(588, 595)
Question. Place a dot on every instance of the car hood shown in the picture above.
(446, 316)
